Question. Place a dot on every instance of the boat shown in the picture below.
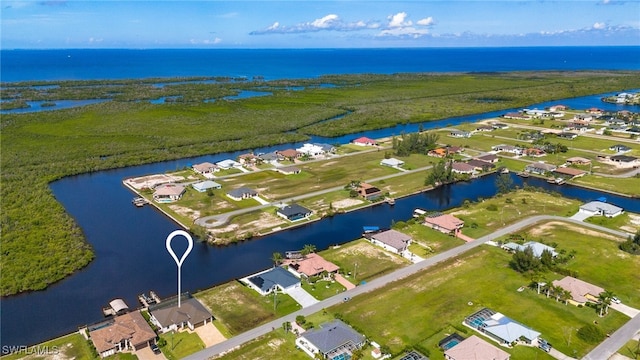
(391, 201)
(504, 171)
(419, 212)
(139, 201)
(523, 174)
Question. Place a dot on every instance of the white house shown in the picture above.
(601, 208)
(393, 162)
(205, 185)
(311, 150)
(267, 281)
(228, 164)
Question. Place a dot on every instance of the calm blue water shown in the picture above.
(129, 242)
(22, 65)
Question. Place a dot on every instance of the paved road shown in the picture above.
(385, 280)
(615, 341)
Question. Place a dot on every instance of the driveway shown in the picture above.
(625, 309)
(301, 296)
(209, 334)
(146, 354)
(579, 216)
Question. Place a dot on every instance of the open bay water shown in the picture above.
(129, 242)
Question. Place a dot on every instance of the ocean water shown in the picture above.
(83, 64)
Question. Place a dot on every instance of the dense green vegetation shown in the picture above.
(41, 244)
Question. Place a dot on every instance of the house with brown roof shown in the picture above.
(581, 291)
(439, 152)
(169, 193)
(310, 265)
(125, 332)
(369, 192)
(569, 172)
(391, 240)
(289, 170)
(289, 154)
(248, 158)
(205, 168)
(474, 348)
(535, 152)
(577, 160)
(492, 158)
(445, 223)
(167, 316)
(462, 168)
(480, 165)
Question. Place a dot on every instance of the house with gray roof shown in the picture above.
(334, 340)
(391, 240)
(501, 328)
(601, 208)
(205, 185)
(167, 316)
(536, 247)
(294, 212)
(242, 193)
(267, 281)
(540, 168)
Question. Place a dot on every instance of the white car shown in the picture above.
(615, 300)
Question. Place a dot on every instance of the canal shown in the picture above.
(129, 242)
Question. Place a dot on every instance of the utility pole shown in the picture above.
(355, 271)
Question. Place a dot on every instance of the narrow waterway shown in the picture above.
(129, 242)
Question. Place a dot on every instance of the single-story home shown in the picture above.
(507, 149)
(289, 170)
(289, 154)
(167, 316)
(459, 133)
(501, 328)
(228, 164)
(271, 156)
(497, 125)
(391, 240)
(620, 148)
(311, 265)
(601, 208)
(205, 185)
(569, 172)
(125, 332)
(623, 159)
(577, 160)
(294, 212)
(439, 152)
(393, 162)
(369, 192)
(462, 168)
(567, 135)
(584, 117)
(536, 247)
(581, 291)
(539, 168)
(242, 193)
(333, 341)
(558, 107)
(492, 158)
(516, 116)
(534, 152)
(311, 150)
(481, 165)
(205, 168)
(485, 128)
(248, 158)
(168, 193)
(267, 281)
(473, 348)
(445, 223)
(364, 141)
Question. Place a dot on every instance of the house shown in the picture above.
(485, 128)
(206, 185)
(601, 208)
(333, 341)
(569, 172)
(535, 152)
(481, 165)
(125, 332)
(558, 108)
(445, 223)
(567, 135)
(499, 126)
(462, 168)
(289, 170)
(539, 168)
(516, 116)
(623, 159)
(459, 133)
(270, 156)
(492, 158)
(289, 154)
(507, 149)
(168, 193)
(311, 265)
(228, 164)
(583, 117)
(620, 148)
(581, 291)
(391, 240)
(294, 212)
(473, 348)
(576, 160)
(311, 150)
(248, 158)
(327, 148)
(369, 192)
(393, 162)
(242, 193)
(538, 113)
(273, 279)
(536, 248)
(167, 316)
(439, 152)
(205, 168)
(501, 328)
(364, 141)
(594, 111)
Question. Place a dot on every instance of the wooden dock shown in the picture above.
(139, 201)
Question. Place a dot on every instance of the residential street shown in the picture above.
(620, 337)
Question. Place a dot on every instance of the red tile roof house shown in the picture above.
(445, 223)
(364, 141)
(581, 291)
(535, 152)
(392, 240)
(248, 158)
(474, 348)
(168, 193)
(128, 331)
(205, 168)
(289, 154)
(311, 265)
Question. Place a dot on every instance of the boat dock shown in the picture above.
(150, 299)
(139, 201)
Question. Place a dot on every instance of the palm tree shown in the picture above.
(308, 249)
(276, 258)
(604, 299)
(566, 295)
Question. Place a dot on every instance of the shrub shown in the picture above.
(591, 334)
(492, 207)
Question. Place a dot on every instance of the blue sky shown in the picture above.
(316, 24)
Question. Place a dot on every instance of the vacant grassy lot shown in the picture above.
(275, 345)
(323, 289)
(432, 241)
(628, 222)
(180, 344)
(72, 346)
(240, 308)
(631, 350)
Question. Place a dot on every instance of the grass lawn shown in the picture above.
(72, 346)
(628, 222)
(180, 344)
(122, 356)
(622, 185)
(274, 345)
(428, 238)
(416, 310)
(240, 309)
(510, 208)
(631, 350)
(323, 289)
(362, 261)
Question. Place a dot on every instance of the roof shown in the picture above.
(269, 156)
(391, 162)
(393, 238)
(536, 247)
(578, 288)
(620, 147)
(313, 264)
(445, 221)
(332, 335)
(623, 158)
(225, 164)
(578, 159)
(293, 209)
(118, 305)
(474, 348)
(131, 326)
(190, 310)
(507, 329)
(289, 169)
(480, 163)
(569, 171)
(276, 276)
(599, 206)
(205, 166)
(542, 166)
(204, 185)
(364, 140)
(290, 153)
(169, 190)
(462, 167)
(488, 157)
(243, 191)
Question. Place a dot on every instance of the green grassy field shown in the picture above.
(180, 344)
(72, 346)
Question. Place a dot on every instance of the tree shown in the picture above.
(591, 334)
(504, 183)
(632, 245)
(546, 258)
(308, 249)
(441, 173)
(524, 261)
(604, 300)
(276, 257)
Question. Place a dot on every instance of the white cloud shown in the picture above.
(326, 23)
(599, 26)
(404, 32)
(428, 21)
(398, 20)
(214, 41)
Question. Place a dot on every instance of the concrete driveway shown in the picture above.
(625, 309)
(209, 334)
(301, 296)
(146, 354)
